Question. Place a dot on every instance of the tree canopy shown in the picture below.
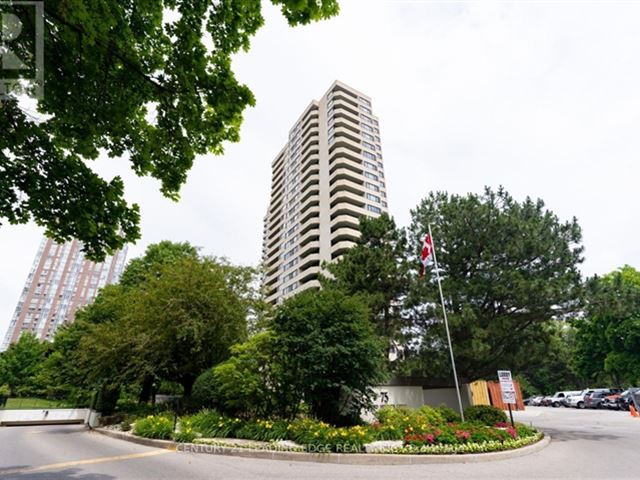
(376, 269)
(330, 354)
(151, 81)
(507, 268)
(608, 335)
(20, 365)
(179, 314)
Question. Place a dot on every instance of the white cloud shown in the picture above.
(541, 97)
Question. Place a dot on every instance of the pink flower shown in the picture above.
(430, 438)
(512, 431)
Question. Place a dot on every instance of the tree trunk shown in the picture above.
(146, 393)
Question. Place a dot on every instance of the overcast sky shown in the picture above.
(541, 97)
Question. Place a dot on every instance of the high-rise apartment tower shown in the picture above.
(61, 280)
(328, 175)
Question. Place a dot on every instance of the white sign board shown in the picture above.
(506, 386)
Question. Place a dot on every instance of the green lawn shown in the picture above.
(35, 403)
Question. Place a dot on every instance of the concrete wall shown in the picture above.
(46, 416)
(409, 396)
(437, 396)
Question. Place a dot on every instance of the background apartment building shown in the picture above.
(328, 175)
(60, 282)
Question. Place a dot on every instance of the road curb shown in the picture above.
(128, 437)
(336, 458)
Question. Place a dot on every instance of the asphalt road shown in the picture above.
(587, 444)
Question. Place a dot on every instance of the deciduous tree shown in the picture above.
(329, 352)
(135, 79)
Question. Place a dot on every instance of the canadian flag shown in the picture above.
(427, 251)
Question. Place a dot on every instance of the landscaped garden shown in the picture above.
(425, 430)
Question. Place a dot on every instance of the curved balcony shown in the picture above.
(339, 102)
(347, 209)
(309, 160)
(275, 206)
(311, 128)
(340, 248)
(345, 234)
(345, 185)
(312, 235)
(309, 142)
(310, 116)
(309, 261)
(310, 214)
(342, 152)
(313, 201)
(272, 278)
(345, 220)
(312, 191)
(310, 273)
(307, 285)
(347, 197)
(346, 142)
(347, 174)
(272, 296)
(341, 131)
(343, 162)
(314, 170)
(347, 124)
(341, 112)
(311, 248)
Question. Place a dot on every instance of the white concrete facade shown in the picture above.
(328, 175)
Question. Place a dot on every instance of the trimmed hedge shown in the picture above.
(485, 414)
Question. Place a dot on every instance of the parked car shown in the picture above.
(595, 399)
(558, 398)
(577, 401)
(536, 401)
(625, 399)
(612, 402)
(565, 400)
(546, 401)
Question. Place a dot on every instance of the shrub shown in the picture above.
(5, 391)
(431, 415)
(395, 422)
(264, 430)
(448, 413)
(154, 426)
(485, 414)
(205, 393)
(185, 433)
(321, 437)
(210, 423)
(250, 384)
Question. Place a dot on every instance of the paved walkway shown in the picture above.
(587, 444)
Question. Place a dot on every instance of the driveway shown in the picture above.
(587, 444)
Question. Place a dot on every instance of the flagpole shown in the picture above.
(446, 325)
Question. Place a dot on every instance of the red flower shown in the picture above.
(512, 431)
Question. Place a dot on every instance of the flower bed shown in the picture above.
(422, 431)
